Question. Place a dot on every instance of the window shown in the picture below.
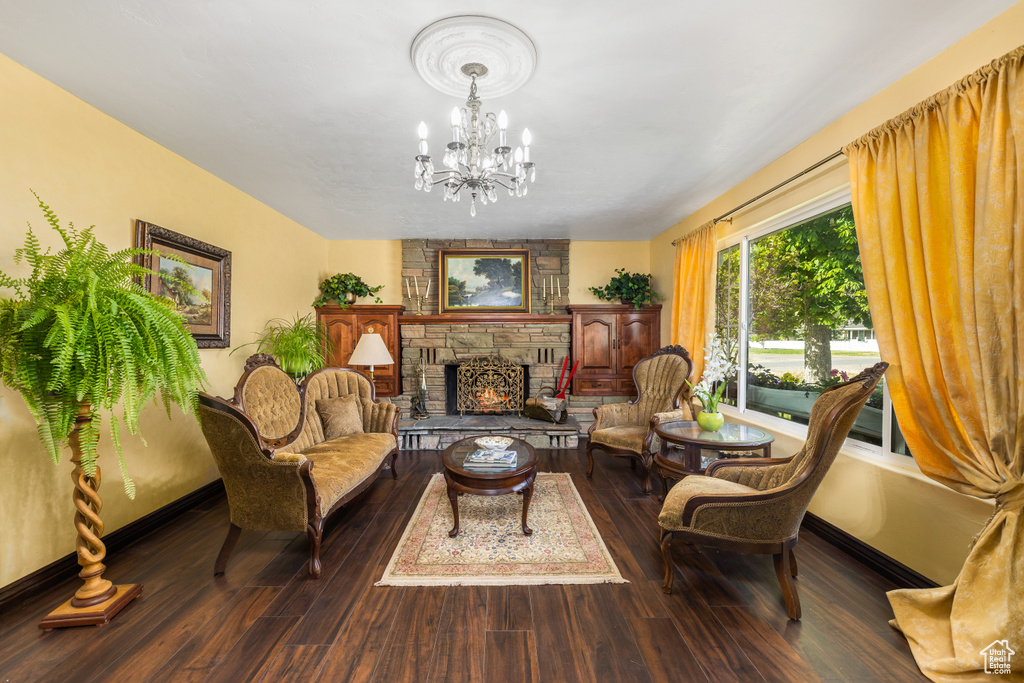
(727, 308)
(899, 444)
(791, 302)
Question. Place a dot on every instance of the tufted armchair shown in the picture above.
(280, 471)
(627, 429)
(756, 505)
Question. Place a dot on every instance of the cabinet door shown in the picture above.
(596, 344)
(637, 338)
(343, 333)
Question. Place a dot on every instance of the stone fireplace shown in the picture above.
(442, 344)
(438, 343)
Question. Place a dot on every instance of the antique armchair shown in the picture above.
(281, 471)
(755, 505)
(627, 429)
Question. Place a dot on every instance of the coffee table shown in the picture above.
(676, 463)
(488, 483)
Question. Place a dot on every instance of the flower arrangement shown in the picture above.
(718, 368)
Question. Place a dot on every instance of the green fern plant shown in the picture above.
(81, 332)
(299, 345)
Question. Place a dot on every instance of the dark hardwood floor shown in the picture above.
(265, 620)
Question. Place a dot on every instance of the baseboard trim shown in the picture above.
(893, 570)
(59, 570)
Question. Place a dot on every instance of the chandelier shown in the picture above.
(469, 162)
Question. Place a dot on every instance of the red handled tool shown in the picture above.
(565, 364)
(561, 391)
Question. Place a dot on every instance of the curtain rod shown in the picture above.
(725, 216)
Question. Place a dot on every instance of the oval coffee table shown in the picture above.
(678, 463)
(461, 479)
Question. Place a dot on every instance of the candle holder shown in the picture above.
(419, 300)
(549, 301)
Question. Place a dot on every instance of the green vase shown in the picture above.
(710, 422)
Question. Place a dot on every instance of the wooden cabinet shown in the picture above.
(608, 340)
(345, 326)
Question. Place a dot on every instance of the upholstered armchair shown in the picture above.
(756, 505)
(281, 470)
(627, 429)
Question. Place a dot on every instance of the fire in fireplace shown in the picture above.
(486, 385)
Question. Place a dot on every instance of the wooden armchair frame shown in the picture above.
(782, 552)
(646, 454)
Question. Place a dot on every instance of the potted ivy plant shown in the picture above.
(300, 345)
(344, 288)
(629, 288)
(79, 337)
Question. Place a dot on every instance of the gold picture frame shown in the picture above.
(484, 280)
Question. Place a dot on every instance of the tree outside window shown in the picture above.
(808, 319)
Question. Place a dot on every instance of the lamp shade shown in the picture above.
(371, 350)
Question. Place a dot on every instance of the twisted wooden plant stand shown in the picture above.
(97, 600)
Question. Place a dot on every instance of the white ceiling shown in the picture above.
(641, 112)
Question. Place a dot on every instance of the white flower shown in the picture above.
(717, 366)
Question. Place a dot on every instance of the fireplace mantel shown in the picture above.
(484, 319)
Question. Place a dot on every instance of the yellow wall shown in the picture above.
(92, 169)
(914, 520)
(378, 262)
(593, 264)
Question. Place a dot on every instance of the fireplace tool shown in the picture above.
(550, 404)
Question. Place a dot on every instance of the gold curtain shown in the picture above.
(693, 294)
(938, 197)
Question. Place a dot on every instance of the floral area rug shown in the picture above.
(491, 549)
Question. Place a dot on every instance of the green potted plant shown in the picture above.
(629, 288)
(299, 345)
(80, 336)
(344, 288)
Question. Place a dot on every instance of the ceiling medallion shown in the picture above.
(447, 54)
(441, 49)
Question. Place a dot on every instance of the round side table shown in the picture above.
(676, 463)
(461, 479)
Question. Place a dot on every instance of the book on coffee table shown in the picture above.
(491, 459)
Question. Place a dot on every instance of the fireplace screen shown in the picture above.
(489, 384)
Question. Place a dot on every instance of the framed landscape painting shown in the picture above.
(207, 312)
(485, 280)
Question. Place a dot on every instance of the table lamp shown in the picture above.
(371, 350)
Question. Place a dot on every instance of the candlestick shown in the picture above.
(427, 295)
(559, 281)
(544, 288)
(417, 283)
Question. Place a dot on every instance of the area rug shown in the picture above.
(491, 549)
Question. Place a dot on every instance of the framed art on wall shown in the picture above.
(208, 313)
(484, 280)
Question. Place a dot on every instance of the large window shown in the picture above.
(792, 305)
